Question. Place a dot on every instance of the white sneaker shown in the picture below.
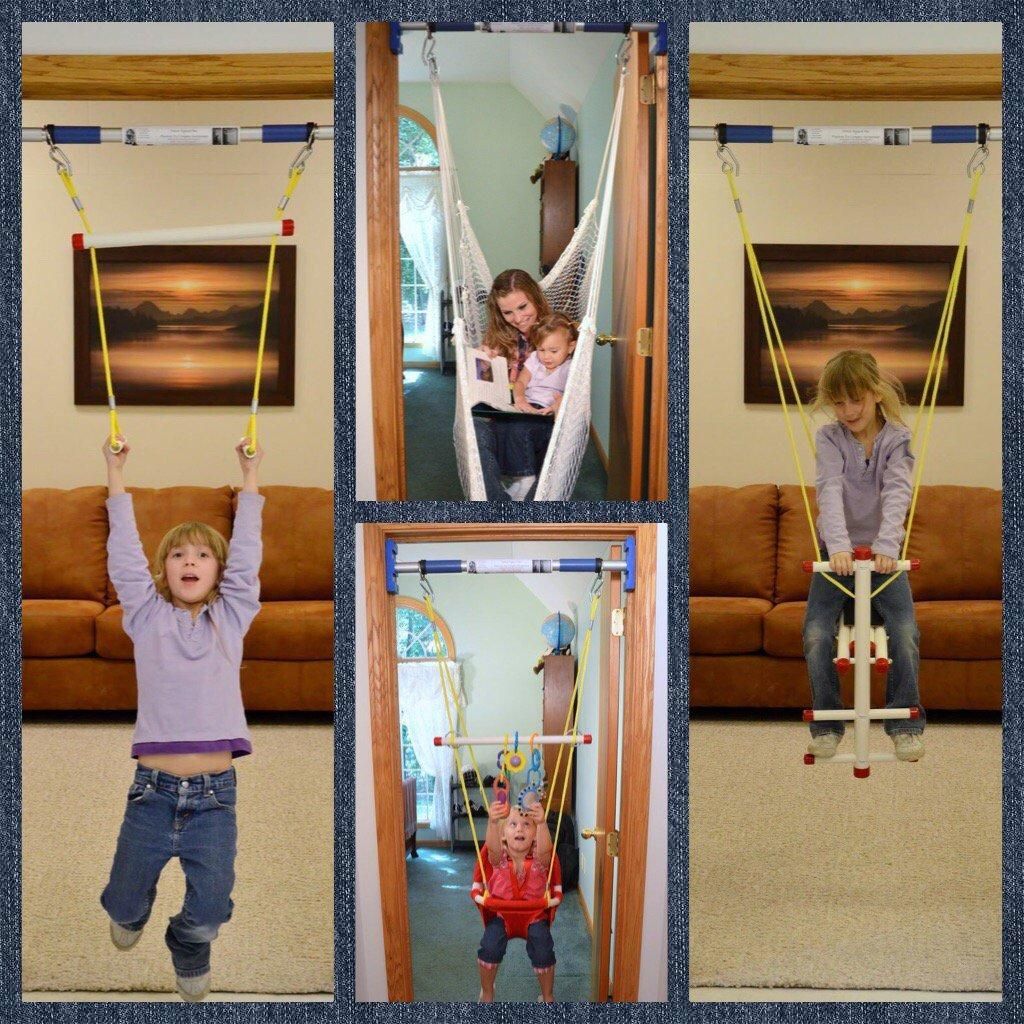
(909, 746)
(193, 990)
(124, 938)
(824, 745)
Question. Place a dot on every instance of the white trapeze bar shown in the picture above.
(580, 739)
(208, 233)
(848, 135)
(858, 652)
(179, 135)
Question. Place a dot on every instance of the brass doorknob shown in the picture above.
(607, 339)
(592, 833)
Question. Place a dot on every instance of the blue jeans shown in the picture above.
(510, 448)
(895, 605)
(192, 819)
(540, 947)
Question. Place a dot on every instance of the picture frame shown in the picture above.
(884, 298)
(183, 325)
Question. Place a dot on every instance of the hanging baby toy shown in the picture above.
(532, 792)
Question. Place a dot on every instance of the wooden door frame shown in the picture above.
(636, 732)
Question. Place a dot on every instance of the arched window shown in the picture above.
(417, 140)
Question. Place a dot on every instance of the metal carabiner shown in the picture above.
(622, 54)
(427, 52)
(974, 164)
(57, 155)
(730, 162)
(595, 587)
(298, 165)
(428, 590)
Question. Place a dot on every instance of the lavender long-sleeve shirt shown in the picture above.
(863, 501)
(189, 691)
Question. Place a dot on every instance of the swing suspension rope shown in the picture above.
(65, 172)
(457, 725)
(930, 391)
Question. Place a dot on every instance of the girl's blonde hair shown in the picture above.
(501, 335)
(851, 374)
(551, 323)
(189, 533)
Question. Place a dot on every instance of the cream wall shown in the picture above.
(126, 189)
(819, 195)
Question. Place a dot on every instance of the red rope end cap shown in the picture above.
(861, 773)
(915, 712)
(287, 227)
(808, 566)
(915, 563)
(808, 759)
(78, 240)
(437, 741)
(808, 716)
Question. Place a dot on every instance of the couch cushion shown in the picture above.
(727, 625)
(795, 545)
(292, 631)
(298, 544)
(64, 543)
(732, 541)
(950, 630)
(157, 510)
(111, 639)
(58, 629)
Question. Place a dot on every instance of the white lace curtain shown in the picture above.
(421, 706)
(421, 225)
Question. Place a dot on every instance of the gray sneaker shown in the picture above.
(124, 938)
(909, 746)
(194, 990)
(824, 745)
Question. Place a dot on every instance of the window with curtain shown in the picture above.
(422, 242)
(417, 654)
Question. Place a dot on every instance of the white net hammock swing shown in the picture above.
(572, 287)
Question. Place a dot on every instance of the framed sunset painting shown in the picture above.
(183, 325)
(886, 299)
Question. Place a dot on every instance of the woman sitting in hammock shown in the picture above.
(512, 448)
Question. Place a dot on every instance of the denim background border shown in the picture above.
(347, 512)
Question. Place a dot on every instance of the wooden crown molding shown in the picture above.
(227, 76)
(951, 76)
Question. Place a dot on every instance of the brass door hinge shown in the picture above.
(645, 342)
(648, 90)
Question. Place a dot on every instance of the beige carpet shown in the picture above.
(281, 937)
(804, 877)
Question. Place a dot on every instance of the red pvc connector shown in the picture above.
(915, 712)
(287, 227)
(587, 739)
(915, 563)
(882, 664)
(808, 716)
(872, 649)
(78, 240)
(842, 665)
(437, 741)
(862, 554)
(808, 566)
(861, 773)
(808, 759)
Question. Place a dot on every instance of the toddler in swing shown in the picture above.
(519, 851)
(186, 616)
(541, 382)
(864, 472)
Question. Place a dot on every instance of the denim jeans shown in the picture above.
(192, 819)
(510, 448)
(895, 605)
(540, 947)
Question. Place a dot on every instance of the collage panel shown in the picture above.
(511, 261)
(846, 568)
(177, 559)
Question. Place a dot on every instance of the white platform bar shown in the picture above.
(581, 739)
(849, 714)
(209, 233)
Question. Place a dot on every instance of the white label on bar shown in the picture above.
(179, 135)
(509, 565)
(856, 135)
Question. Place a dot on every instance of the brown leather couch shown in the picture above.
(75, 654)
(748, 592)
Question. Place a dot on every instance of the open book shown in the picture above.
(488, 380)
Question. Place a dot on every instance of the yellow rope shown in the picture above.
(115, 430)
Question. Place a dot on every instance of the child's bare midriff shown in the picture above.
(188, 764)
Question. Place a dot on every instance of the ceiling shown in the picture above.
(548, 69)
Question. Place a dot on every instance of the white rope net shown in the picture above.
(572, 287)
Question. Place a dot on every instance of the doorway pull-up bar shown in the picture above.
(450, 566)
(580, 739)
(167, 236)
(849, 135)
(178, 135)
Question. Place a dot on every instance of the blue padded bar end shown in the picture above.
(454, 26)
(954, 133)
(285, 132)
(442, 565)
(661, 42)
(71, 134)
(395, 37)
(629, 550)
(577, 565)
(390, 556)
(606, 26)
(745, 133)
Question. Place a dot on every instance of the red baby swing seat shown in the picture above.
(517, 914)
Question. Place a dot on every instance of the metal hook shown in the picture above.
(974, 164)
(730, 162)
(622, 54)
(595, 587)
(427, 51)
(56, 154)
(299, 163)
(428, 590)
